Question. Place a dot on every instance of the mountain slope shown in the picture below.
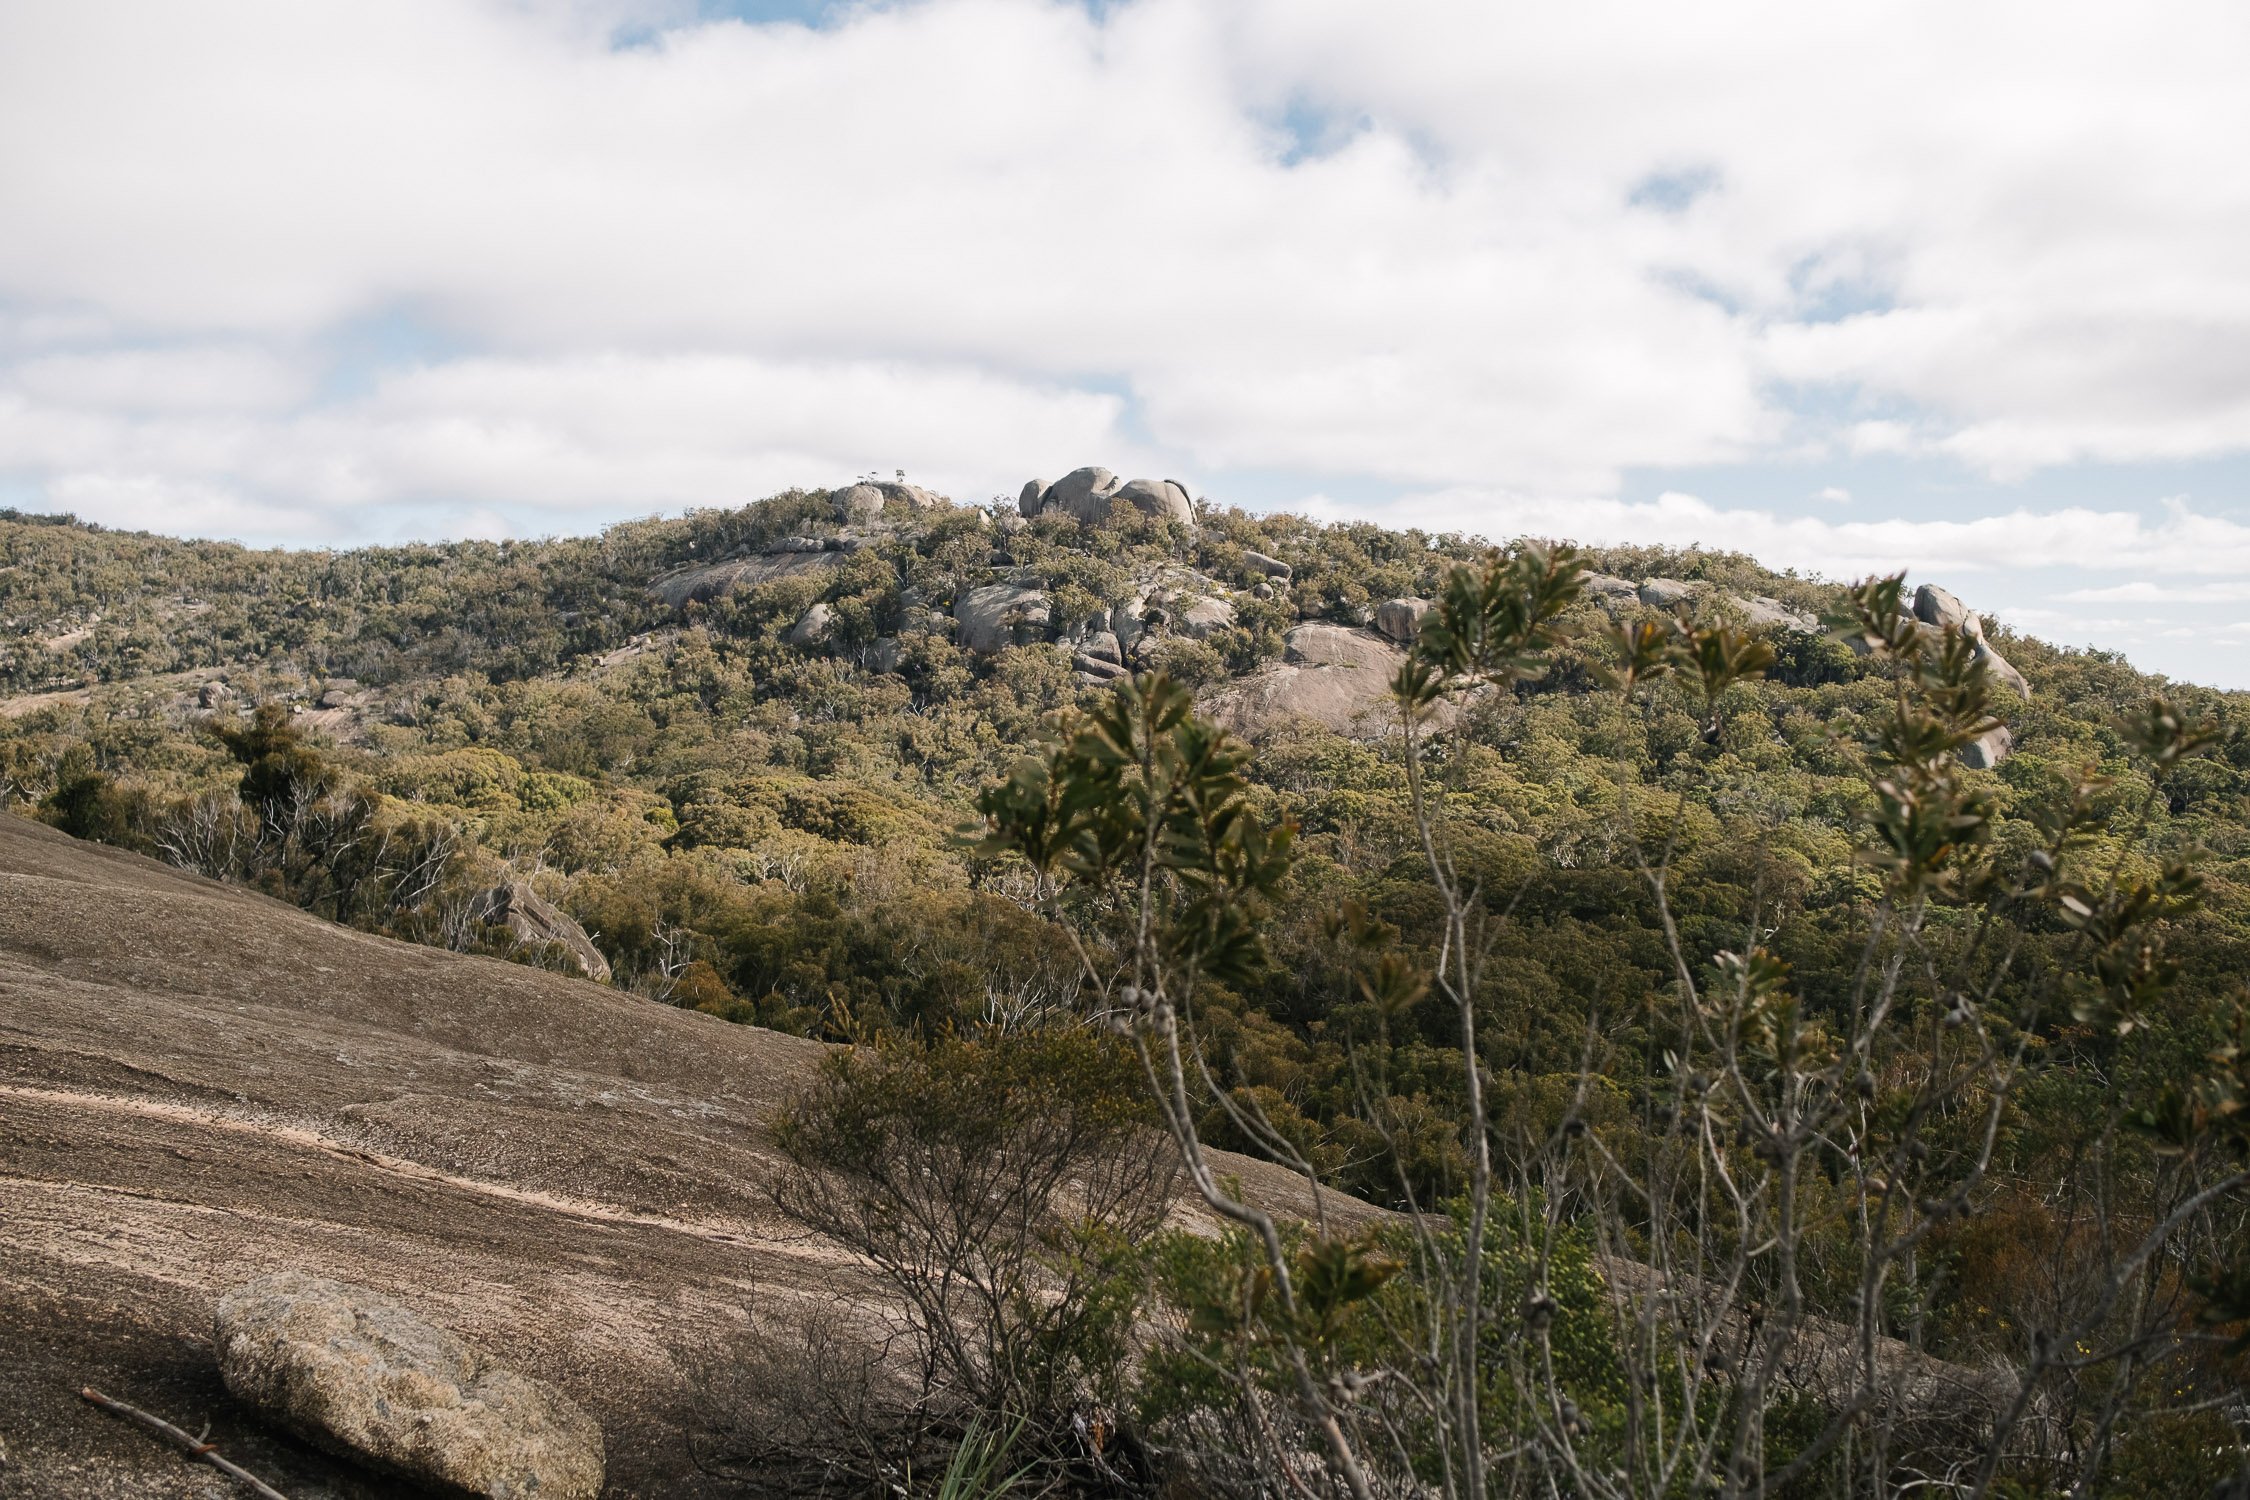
(198, 1085)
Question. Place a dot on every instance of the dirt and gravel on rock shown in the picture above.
(199, 1085)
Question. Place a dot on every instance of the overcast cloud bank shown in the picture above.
(325, 272)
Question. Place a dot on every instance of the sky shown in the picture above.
(1958, 288)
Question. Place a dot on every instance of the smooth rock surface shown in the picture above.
(1272, 567)
(858, 504)
(709, 581)
(911, 494)
(352, 1371)
(1098, 669)
(1318, 644)
(1401, 619)
(1330, 674)
(1610, 593)
(1082, 493)
(1761, 613)
(813, 628)
(2001, 670)
(1936, 606)
(1989, 749)
(1665, 593)
(1202, 617)
(1000, 615)
(1166, 499)
(1027, 502)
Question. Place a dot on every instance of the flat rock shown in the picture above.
(1665, 593)
(1272, 567)
(1761, 613)
(352, 1372)
(1610, 593)
(1330, 674)
(708, 581)
(1319, 644)
(1098, 669)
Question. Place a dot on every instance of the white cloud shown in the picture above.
(2181, 541)
(2045, 237)
(206, 379)
(1518, 252)
(2146, 591)
(614, 434)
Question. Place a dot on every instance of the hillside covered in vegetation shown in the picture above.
(750, 756)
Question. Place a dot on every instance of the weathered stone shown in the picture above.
(712, 580)
(1097, 668)
(1272, 567)
(533, 919)
(1000, 615)
(1761, 613)
(1329, 674)
(1166, 499)
(353, 1372)
(2001, 670)
(1202, 617)
(1610, 593)
(813, 628)
(1936, 606)
(1665, 593)
(911, 494)
(214, 695)
(1401, 619)
(884, 655)
(919, 620)
(1102, 645)
(1989, 749)
(1027, 503)
(1084, 494)
(858, 504)
(335, 697)
(1319, 644)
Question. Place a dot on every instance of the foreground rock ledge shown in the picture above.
(352, 1372)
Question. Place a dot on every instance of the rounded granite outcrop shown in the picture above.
(1087, 494)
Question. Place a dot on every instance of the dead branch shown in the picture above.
(194, 1446)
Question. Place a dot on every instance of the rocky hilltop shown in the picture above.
(704, 780)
